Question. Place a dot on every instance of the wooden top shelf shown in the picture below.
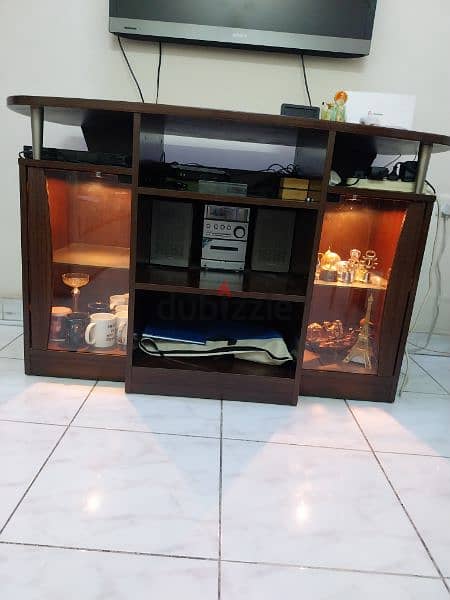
(222, 124)
(226, 199)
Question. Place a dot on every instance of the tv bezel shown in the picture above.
(240, 38)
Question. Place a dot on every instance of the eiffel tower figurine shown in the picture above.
(361, 351)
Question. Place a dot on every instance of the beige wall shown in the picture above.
(63, 48)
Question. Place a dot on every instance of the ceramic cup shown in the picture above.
(58, 323)
(98, 307)
(75, 329)
(102, 330)
(118, 300)
(122, 329)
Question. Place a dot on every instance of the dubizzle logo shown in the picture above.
(224, 290)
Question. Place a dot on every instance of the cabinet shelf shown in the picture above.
(285, 287)
(225, 199)
(226, 365)
(93, 255)
(380, 192)
(356, 285)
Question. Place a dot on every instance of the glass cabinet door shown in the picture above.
(358, 248)
(90, 232)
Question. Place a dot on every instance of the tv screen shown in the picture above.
(342, 27)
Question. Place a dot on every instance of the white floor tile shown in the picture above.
(14, 349)
(438, 367)
(108, 406)
(315, 422)
(419, 342)
(314, 507)
(38, 573)
(23, 450)
(414, 424)
(38, 399)
(8, 333)
(117, 490)
(418, 380)
(423, 484)
(258, 582)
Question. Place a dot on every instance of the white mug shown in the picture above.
(102, 330)
(118, 300)
(122, 329)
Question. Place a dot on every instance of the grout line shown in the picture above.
(332, 569)
(105, 551)
(122, 430)
(31, 422)
(215, 560)
(219, 579)
(9, 343)
(66, 429)
(296, 445)
(411, 454)
(397, 495)
(431, 376)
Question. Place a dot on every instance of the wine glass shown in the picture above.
(75, 281)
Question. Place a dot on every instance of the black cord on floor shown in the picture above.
(158, 79)
(130, 68)
(305, 76)
(352, 184)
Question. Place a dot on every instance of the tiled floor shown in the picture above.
(109, 496)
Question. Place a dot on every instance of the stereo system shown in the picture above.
(225, 236)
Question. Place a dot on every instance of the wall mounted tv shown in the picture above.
(329, 27)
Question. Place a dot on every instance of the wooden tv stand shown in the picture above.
(348, 335)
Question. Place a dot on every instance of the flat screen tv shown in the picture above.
(330, 27)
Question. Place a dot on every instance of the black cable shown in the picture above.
(130, 68)
(158, 79)
(305, 76)
(431, 186)
(351, 184)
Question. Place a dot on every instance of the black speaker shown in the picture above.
(274, 235)
(171, 237)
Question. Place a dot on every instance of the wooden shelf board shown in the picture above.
(92, 255)
(218, 365)
(380, 192)
(72, 166)
(225, 199)
(356, 285)
(115, 351)
(259, 286)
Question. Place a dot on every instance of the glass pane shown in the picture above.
(90, 224)
(357, 251)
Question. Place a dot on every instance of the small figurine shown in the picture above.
(366, 264)
(362, 351)
(328, 266)
(338, 112)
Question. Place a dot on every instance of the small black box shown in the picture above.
(304, 112)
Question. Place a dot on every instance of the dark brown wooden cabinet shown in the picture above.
(88, 225)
